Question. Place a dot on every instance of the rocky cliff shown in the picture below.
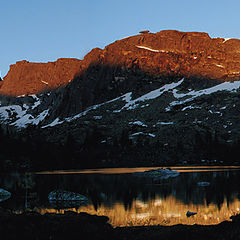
(26, 78)
(166, 53)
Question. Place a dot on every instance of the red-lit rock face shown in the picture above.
(29, 78)
(187, 54)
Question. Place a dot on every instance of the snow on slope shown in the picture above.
(131, 104)
(188, 97)
(57, 121)
(127, 98)
(22, 116)
(28, 119)
(138, 123)
(150, 49)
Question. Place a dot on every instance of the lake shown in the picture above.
(129, 200)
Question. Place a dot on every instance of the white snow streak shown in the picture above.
(54, 123)
(17, 115)
(142, 133)
(225, 86)
(44, 82)
(139, 123)
(226, 39)
(37, 103)
(132, 104)
(164, 123)
(150, 49)
(57, 121)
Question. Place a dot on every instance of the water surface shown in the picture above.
(129, 200)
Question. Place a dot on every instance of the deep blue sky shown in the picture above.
(45, 30)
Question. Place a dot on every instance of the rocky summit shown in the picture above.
(150, 99)
(170, 53)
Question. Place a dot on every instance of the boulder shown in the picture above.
(203, 184)
(158, 173)
(4, 195)
(62, 195)
(66, 199)
(189, 214)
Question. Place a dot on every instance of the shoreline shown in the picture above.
(70, 225)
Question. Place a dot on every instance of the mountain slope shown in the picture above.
(163, 98)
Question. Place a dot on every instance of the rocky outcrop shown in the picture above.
(189, 54)
(26, 78)
(166, 53)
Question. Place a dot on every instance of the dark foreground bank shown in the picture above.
(31, 225)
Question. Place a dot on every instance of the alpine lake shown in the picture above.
(212, 193)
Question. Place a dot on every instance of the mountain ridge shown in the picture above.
(166, 53)
(134, 103)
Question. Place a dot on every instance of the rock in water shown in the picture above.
(203, 184)
(189, 214)
(158, 173)
(62, 195)
(4, 195)
(65, 199)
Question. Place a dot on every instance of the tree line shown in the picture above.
(30, 154)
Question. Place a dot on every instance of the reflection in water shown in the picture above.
(167, 211)
(129, 200)
(142, 169)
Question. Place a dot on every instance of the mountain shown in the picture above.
(150, 99)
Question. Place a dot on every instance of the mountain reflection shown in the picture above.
(129, 200)
(169, 211)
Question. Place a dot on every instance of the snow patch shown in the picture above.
(37, 101)
(54, 123)
(190, 107)
(188, 97)
(139, 123)
(97, 117)
(23, 121)
(44, 82)
(40, 117)
(226, 39)
(29, 119)
(150, 49)
(164, 123)
(7, 112)
(132, 104)
(142, 133)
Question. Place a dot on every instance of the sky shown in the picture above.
(45, 30)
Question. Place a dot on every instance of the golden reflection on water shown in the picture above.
(169, 211)
(158, 211)
(142, 169)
